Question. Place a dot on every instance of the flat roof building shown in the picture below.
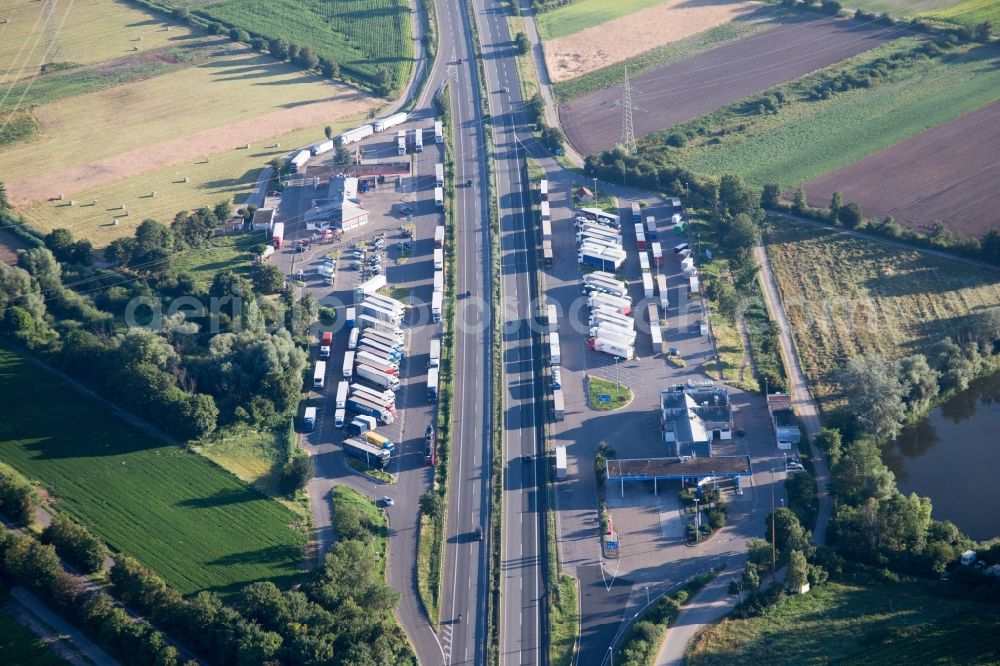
(692, 416)
(341, 208)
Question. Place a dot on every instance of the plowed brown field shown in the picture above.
(948, 173)
(685, 89)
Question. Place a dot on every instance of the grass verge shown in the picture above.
(186, 518)
(605, 396)
(431, 538)
(379, 475)
(874, 624)
(346, 498)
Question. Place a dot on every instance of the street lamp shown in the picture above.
(595, 187)
(697, 520)
(611, 656)
(647, 595)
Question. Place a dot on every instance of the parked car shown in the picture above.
(387, 501)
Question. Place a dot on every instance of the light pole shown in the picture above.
(595, 188)
(647, 595)
(697, 520)
(611, 656)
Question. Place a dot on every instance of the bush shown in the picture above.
(295, 474)
(75, 544)
(17, 501)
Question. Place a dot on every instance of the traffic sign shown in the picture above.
(603, 397)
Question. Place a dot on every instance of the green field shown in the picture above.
(193, 523)
(227, 176)
(900, 7)
(848, 624)
(860, 295)
(805, 139)
(227, 253)
(20, 647)
(970, 13)
(360, 35)
(89, 31)
(584, 14)
(686, 48)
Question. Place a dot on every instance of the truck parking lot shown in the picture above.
(651, 527)
(390, 251)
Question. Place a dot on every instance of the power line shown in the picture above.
(53, 43)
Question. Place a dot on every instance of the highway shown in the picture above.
(523, 586)
(464, 590)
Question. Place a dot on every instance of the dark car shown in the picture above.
(429, 434)
(468, 183)
(478, 534)
(526, 459)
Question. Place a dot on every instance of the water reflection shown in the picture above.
(953, 457)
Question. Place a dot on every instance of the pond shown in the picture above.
(953, 457)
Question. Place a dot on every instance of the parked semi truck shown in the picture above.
(386, 123)
(438, 260)
(299, 160)
(657, 253)
(348, 367)
(439, 175)
(278, 235)
(439, 198)
(401, 142)
(439, 236)
(636, 212)
(355, 135)
(309, 419)
(647, 285)
(434, 358)
(378, 441)
(385, 338)
(606, 259)
(362, 405)
(384, 397)
(432, 385)
(437, 299)
(374, 456)
(438, 132)
(342, 390)
(622, 351)
(623, 305)
(369, 287)
(321, 148)
(543, 190)
(555, 351)
(651, 232)
(377, 377)
(365, 322)
(438, 282)
(418, 140)
(381, 313)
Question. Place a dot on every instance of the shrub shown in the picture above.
(76, 544)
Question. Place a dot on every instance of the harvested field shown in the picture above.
(227, 176)
(107, 136)
(683, 90)
(89, 30)
(863, 296)
(947, 173)
(612, 42)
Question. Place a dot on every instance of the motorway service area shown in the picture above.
(623, 303)
(366, 239)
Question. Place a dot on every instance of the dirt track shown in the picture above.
(686, 89)
(948, 173)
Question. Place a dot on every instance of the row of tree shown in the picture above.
(342, 615)
(281, 49)
(35, 565)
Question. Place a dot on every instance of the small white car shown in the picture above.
(387, 501)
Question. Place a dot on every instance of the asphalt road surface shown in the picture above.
(464, 589)
(523, 586)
